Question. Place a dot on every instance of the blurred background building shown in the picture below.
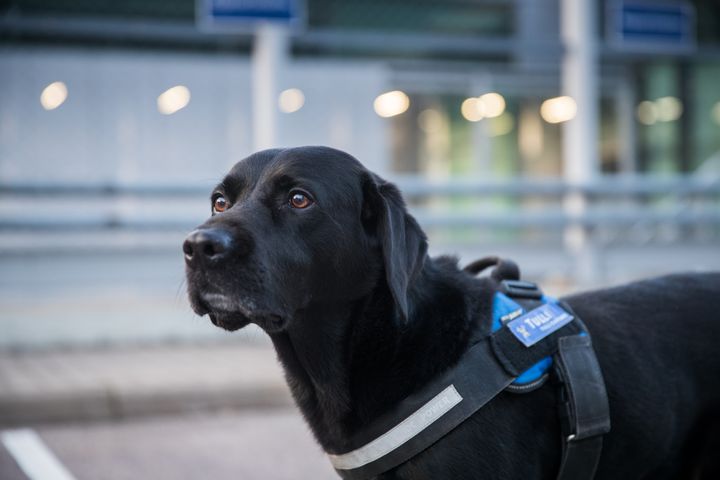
(579, 137)
(117, 117)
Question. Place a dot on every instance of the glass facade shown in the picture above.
(434, 138)
(660, 115)
(126, 9)
(455, 17)
(677, 114)
(707, 15)
(667, 122)
(704, 116)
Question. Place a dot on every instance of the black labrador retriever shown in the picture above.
(322, 254)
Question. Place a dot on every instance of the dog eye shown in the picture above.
(220, 204)
(300, 200)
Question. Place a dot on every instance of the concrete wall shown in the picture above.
(110, 129)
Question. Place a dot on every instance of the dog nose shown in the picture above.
(207, 244)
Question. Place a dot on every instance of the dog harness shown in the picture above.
(530, 335)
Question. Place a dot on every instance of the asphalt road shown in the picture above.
(248, 445)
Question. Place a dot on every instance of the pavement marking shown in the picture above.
(32, 455)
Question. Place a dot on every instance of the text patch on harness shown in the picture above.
(538, 323)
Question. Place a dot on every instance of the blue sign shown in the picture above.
(651, 26)
(539, 323)
(242, 14)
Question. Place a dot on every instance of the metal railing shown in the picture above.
(453, 203)
(630, 226)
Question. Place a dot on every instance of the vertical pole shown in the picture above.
(269, 58)
(627, 131)
(686, 153)
(580, 135)
(481, 142)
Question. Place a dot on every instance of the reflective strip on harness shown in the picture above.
(442, 403)
(473, 395)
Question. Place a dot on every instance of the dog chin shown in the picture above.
(233, 315)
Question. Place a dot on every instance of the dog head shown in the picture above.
(299, 227)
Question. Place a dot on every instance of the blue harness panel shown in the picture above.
(505, 309)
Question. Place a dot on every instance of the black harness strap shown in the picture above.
(580, 459)
(584, 408)
(483, 372)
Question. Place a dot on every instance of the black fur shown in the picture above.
(361, 317)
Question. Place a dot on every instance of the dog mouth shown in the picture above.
(233, 313)
(228, 322)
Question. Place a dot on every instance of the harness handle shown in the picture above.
(504, 269)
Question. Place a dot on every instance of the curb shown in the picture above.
(92, 385)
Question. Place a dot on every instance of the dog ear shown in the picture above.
(403, 243)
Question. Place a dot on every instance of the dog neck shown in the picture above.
(348, 363)
(313, 355)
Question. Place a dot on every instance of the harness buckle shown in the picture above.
(520, 289)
